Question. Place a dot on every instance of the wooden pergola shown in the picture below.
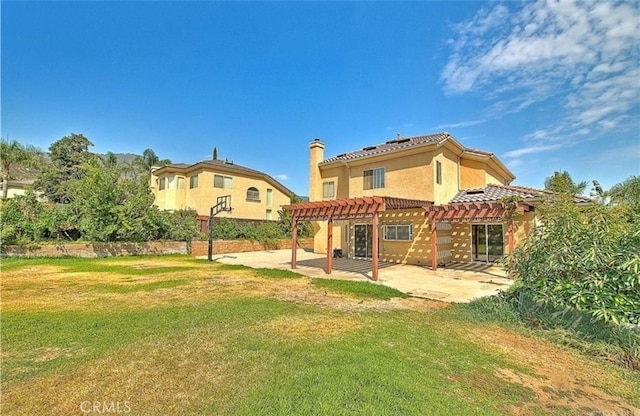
(346, 209)
(369, 207)
(471, 212)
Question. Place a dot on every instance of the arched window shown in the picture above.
(253, 194)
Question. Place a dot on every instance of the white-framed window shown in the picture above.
(400, 232)
(180, 182)
(161, 184)
(329, 189)
(253, 194)
(438, 172)
(373, 178)
(269, 197)
(269, 215)
(193, 181)
(170, 181)
(220, 181)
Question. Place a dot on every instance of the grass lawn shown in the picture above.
(173, 335)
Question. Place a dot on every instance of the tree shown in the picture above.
(67, 156)
(150, 159)
(215, 153)
(626, 193)
(562, 183)
(13, 154)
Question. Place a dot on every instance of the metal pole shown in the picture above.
(210, 248)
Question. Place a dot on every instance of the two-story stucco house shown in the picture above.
(254, 195)
(424, 200)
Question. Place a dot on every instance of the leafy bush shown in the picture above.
(587, 258)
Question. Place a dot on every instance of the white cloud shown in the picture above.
(282, 177)
(531, 149)
(459, 124)
(582, 55)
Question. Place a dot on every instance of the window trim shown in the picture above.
(373, 178)
(191, 181)
(396, 227)
(325, 186)
(223, 181)
(253, 194)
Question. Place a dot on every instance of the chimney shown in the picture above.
(316, 155)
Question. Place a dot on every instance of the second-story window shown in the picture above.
(328, 189)
(193, 181)
(253, 194)
(373, 178)
(269, 197)
(438, 173)
(220, 181)
(161, 184)
(180, 182)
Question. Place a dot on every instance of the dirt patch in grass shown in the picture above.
(161, 376)
(561, 380)
(310, 326)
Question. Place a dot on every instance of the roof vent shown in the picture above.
(475, 191)
(369, 148)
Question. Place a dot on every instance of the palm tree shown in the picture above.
(562, 182)
(149, 159)
(13, 153)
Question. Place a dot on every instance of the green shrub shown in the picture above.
(587, 258)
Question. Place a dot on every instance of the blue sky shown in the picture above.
(544, 85)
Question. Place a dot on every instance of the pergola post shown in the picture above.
(374, 257)
(511, 236)
(329, 245)
(294, 241)
(434, 245)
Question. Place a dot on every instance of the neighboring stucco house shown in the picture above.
(424, 200)
(16, 187)
(254, 195)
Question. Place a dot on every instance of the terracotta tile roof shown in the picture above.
(492, 193)
(391, 145)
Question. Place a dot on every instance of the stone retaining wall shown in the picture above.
(198, 248)
(96, 249)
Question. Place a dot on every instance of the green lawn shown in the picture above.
(172, 335)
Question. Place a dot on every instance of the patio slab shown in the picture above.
(459, 283)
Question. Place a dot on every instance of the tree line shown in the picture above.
(79, 195)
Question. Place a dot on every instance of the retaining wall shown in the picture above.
(198, 248)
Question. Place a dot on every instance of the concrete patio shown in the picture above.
(457, 283)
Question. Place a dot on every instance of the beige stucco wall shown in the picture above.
(524, 226)
(472, 174)
(417, 251)
(205, 195)
(406, 176)
(442, 193)
(478, 174)
(461, 236)
(461, 242)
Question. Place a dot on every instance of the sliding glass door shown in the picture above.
(487, 242)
